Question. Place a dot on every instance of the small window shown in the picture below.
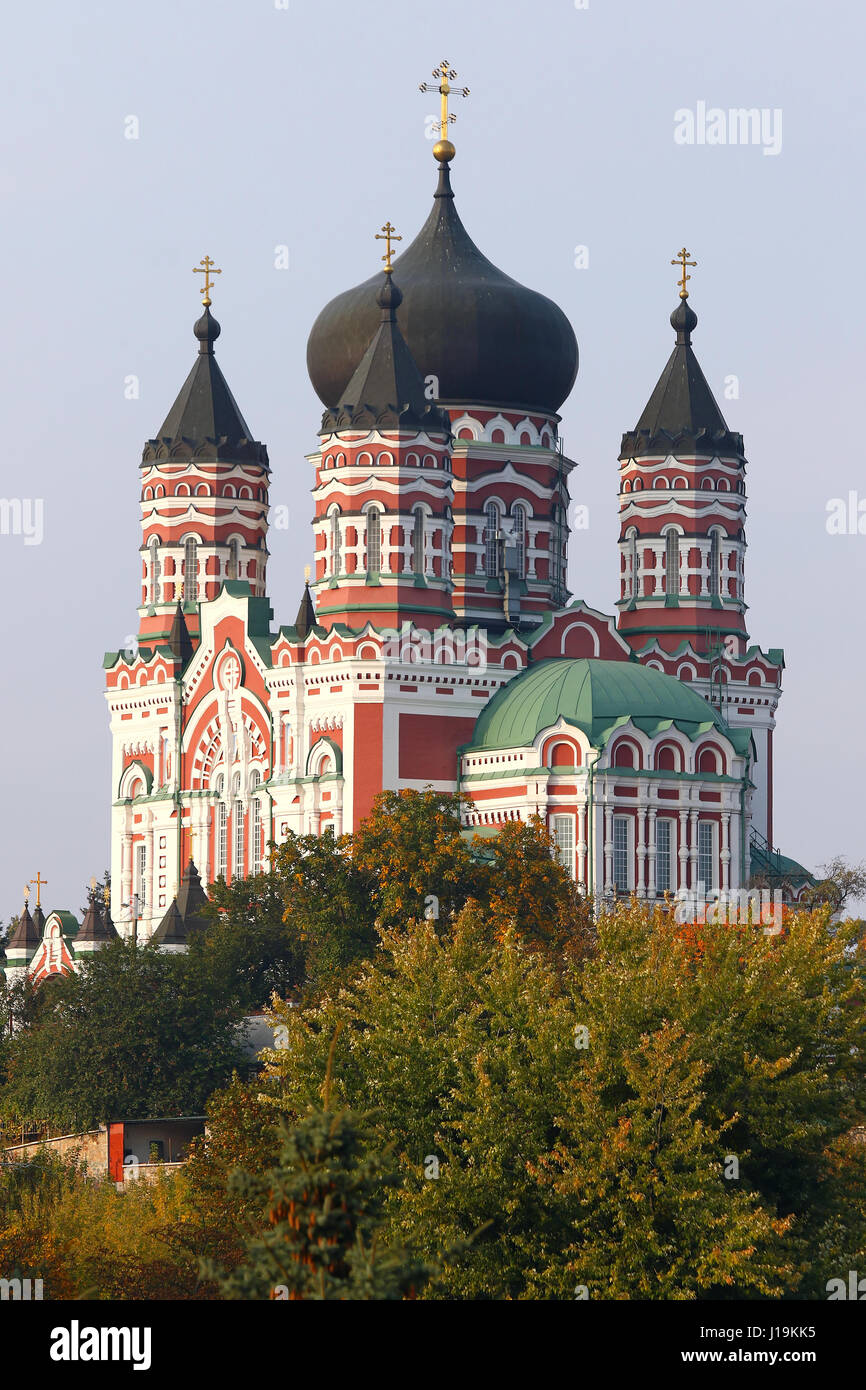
(706, 855)
(154, 570)
(222, 841)
(418, 542)
(672, 563)
(491, 528)
(621, 876)
(336, 544)
(664, 862)
(563, 834)
(374, 542)
(714, 564)
(238, 861)
(141, 875)
(518, 514)
(190, 571)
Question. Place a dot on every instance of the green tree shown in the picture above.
(323, 1234)
(137, 1032)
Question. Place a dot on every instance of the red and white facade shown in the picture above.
(440, 573)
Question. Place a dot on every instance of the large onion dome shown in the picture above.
(489, 340)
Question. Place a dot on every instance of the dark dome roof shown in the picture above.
(489, 340)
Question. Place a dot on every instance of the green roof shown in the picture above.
(596, 697)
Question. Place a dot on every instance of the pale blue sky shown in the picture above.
(262, 126)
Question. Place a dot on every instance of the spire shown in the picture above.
(25, 937)
(682, 413)
(386, 389)
(179, 639)
(96, 929)
(206, 415)
(306, 619)
(185, 916)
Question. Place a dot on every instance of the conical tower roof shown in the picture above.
(179, 640)
(487, 339)
(25, 936)
(682, 413)
(306, 619)
(184, 917)
(94, 930)
(206, 417)
(386, 390)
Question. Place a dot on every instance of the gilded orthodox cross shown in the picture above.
(389, 236)
(206, 267)
(445, 90)
(40, 884)
(681, 259)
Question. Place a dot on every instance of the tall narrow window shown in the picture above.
(238, 858)
(141, 875)
(663, 856)
(154, 569)
(190, 571)
(336, 545)
(621, 876)
(672, 566)
(633, 554)
(706, 857)
(233, 570)
(491, 527)
(374, 542)
(418, 542)
(518, 514)
(563, 834)
(256, 827)
(714, 564)
(222, 840)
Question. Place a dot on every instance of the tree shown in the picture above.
(137, 1032)
(324, 1201)
(639, 1186)
(841, 884)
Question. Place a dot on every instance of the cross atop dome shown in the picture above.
(443, 150)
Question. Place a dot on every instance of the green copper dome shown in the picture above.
(596, 697)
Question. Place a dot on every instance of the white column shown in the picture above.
(608, 849)
(581, 845)
(640, 881)
(683, 854)
(651, 853)
(725, 855)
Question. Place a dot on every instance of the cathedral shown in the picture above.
(436, 642)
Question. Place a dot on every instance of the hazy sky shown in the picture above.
(261, 126)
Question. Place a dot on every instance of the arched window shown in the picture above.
(233, 570)
(714, 564)
(518, 514)
(221, 840)
(238, 858)
(374, 542)
(633, 564)
(190, 570)
(672, 563)
(154, 569)
(418, 542)
(256, 830)
(336, 545)
(491, 527)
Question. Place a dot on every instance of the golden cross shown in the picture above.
(307, 573)
(390, 235)
(207, 272)
(681, 259)
(40, 884)
(444, 88)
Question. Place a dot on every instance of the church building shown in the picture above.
(437, 643)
